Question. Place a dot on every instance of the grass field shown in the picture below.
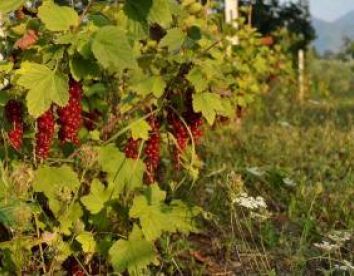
(300, 160)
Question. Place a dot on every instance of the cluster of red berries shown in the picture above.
(181, 135)
(45, 134)
(70, 116)
(185, 129)
(132, 148)
(14, 115)
(152, 150)
(69, 120)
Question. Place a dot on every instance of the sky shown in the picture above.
(329, 10)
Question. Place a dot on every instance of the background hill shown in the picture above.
(330, 34)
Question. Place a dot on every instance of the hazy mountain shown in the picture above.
(330, 34)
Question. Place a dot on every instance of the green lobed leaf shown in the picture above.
(112, 50)
(6, 67)
(173, 40)
(14, 213)
(208, 104)
(140, 130)
(95, 89)
(197, 79)
(96, 199)
(110, 158)
(145, 84)
(62, 250)
(81, 68)
(228, 109)
(136, 26)
(70, 218)
(156, 216)
(151, 11)
(134, 254)
(160, 13)
(158, 86)
(45, 87)
(87, 242)
(123, 173)
(7, 6)
(51, 181)
(57, 18)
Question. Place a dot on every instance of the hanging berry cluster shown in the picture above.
(132, 148)
(186, 129)
(70, 117)
(14, 115)
(180, 133)
(69, 120)
(152, 150)
(45, 134)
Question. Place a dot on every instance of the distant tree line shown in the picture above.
(270, 15)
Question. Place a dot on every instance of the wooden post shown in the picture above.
(301, 61)
(231, 12)
(231, 16)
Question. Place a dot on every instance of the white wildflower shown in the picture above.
(28, 5)
(339, 237)
(2, 28)
(255, 171)
(314, 102)
(250, 202)
(209, 190)
(326, 246)
(260, 216)
(285, 124)
(346, 266)
(4, 84)
(289, 182)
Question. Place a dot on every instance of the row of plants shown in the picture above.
(104, 105)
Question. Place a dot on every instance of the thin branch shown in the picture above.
(206, 50)
(86, 10)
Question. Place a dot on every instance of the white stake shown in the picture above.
(301, 60)
(231, 16)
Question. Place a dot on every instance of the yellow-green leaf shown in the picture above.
(156, 216)
(134, 254)
(54, 182)
(87, 242)
(123, 173)
(140, 130)
(45, 87)
(96, 199)
(112, 50)
(209, 104)
(57, 18)
(173, 40)
(7, 6)
(146, 84)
